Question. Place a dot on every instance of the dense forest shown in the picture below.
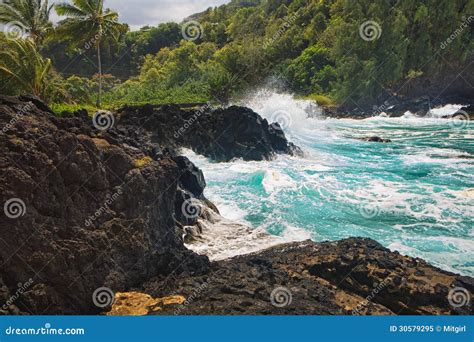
(355, 52)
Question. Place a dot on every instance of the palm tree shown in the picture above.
(31, 15)
(90, 25)
(23, 64)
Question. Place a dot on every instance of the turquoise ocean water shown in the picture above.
(414, 195)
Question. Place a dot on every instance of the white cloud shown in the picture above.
(138, 13)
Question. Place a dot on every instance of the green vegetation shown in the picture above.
(326, 50)
(89, 25)
(61, 108)
(27, 70)
(31, 16)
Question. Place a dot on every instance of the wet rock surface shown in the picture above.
(221, 134)
(375, 139)
(397, 106)
(104, 208)
(88, 209)
(350, 277)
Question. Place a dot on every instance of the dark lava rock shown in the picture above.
(376, 139)
(465, 113)
(395, 106)
(221, 134)
(353, 276)
(87, 209)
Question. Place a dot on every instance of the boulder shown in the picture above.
(355, 276)
(376, 139)
(84, 209)
(222, 134)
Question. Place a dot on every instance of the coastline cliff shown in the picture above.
(113, 206)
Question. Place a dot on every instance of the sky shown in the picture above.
(138, 13)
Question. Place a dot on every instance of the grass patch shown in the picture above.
(61, 109)
(322, 100)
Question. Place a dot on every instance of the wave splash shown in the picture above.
(413, 195)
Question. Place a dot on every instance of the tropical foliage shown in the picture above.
(341, 51)
(88, 26)
(30, 16)
(24, 67)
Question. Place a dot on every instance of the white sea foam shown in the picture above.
(223, 238)
(417, 217)
(445, 110)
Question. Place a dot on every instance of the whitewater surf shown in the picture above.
(413, 195)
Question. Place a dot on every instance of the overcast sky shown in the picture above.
(138, 13)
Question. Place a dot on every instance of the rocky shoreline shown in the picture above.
(97, 206)
(398, 106)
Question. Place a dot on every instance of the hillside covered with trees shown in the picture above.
(353, 52)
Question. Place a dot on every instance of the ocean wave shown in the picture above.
(413, 195)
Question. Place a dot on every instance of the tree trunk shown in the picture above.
(100, 76)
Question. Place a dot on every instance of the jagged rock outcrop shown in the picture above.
(395, 106)
(85, 208)
(82, 209)
(353, 276)
(221, 134)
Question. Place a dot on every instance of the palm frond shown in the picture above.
(69, 10)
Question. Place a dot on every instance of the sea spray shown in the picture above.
(410, 195)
